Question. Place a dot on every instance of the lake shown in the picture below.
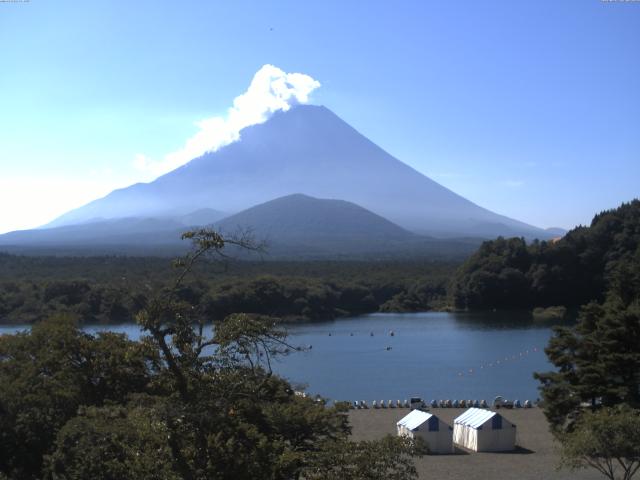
(434, 355)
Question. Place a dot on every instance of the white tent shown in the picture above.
(484, 431)
(431, 429)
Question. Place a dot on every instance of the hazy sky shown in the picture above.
(531, 109)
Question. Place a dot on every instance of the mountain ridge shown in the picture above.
(295, 226)
(307, 149)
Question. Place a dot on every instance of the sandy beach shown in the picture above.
(535, 458)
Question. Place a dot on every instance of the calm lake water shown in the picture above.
(433, 355)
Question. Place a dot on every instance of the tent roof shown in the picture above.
(414, 419)
(475, 417)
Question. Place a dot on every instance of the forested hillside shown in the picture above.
(114, 289)
(572, 271)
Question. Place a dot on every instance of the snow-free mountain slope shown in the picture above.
(308, 150)
(299, 217)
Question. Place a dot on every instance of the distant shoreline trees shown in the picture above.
(572, 271)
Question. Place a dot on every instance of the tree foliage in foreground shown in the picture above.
(607, 440)
(597, 361)
(185, 402)
(592, 399)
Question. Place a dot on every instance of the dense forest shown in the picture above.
(114, 289)
(572, 271)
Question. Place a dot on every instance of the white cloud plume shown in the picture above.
(271, 90)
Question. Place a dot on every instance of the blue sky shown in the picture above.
(528, 108)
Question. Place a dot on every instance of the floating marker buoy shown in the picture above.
(391, 333)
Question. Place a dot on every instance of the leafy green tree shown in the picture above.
(47, 374)
(597, 361)
(592, 400)
(111, 443)
(386, 459)
(607, 440)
